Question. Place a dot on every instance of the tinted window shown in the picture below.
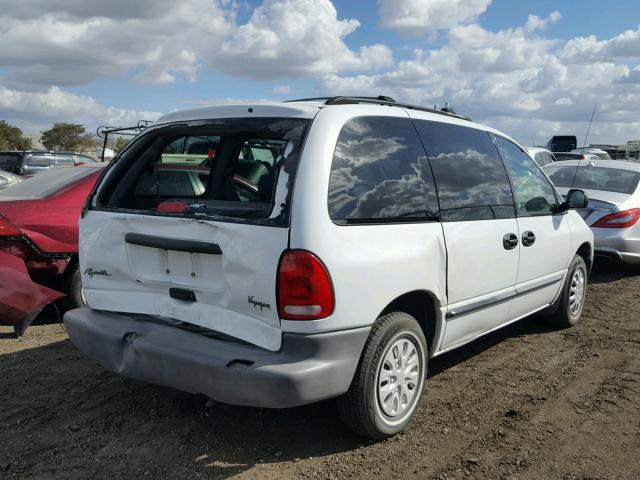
(64, 160)
(569, 156)
(471, 179)
(534, 193)
(8, 160)
(594, 178)
(39, 161)
(380, 172)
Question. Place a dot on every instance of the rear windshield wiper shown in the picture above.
(253, 213)
(414, 216)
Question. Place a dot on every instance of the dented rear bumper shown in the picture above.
(21, 299)
(306, 369)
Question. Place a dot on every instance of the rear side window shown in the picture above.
(66, 160)
(594, 178)
(470, 176)
(8, 161)
(380, 173)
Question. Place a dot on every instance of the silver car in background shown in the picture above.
(613, 212)
(541, 155)
(7, 179)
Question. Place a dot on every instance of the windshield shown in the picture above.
(46, 183)
(594, 178)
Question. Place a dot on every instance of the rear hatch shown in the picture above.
(196, 246)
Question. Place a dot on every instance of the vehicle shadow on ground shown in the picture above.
(108, 426)
(66, 400)
(610, 272)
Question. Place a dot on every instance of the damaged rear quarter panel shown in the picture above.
(21, 299)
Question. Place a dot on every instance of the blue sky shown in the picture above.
(109, 62)
(604, 19)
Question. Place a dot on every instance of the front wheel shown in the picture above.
(388, 383)
(571, 301)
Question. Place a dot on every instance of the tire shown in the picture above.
(364, 408)
(571, 301)
(73, 288)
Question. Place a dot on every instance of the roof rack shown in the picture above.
(380, 100)
(104, 131)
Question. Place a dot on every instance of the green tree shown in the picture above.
(121, 142)
(11, 137)
(63, 136)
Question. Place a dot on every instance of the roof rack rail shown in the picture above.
(381, 100)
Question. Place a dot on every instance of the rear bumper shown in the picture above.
(306, 369)
(619, 245)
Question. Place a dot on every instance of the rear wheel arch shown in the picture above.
(423, 306)
(586, 252)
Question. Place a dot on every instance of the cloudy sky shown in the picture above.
(532, 68)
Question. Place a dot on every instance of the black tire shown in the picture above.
(566, 313)
(360, 408)
(73, 288)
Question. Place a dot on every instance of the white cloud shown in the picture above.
(296, 38)
(34, 111)
(81, 43)
(513, 79)
(415, 17)
(625, 46)
(536, 23)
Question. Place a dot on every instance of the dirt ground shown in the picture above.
(525, 403)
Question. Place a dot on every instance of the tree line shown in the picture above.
(61, 136)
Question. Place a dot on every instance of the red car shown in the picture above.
(39, 242)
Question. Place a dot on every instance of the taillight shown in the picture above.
(8, 229)
(304, 287)
(624, 219)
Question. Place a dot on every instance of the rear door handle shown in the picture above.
(510, 241)
(528, 238)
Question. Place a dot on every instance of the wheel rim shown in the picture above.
(577, 291)
(399, 377)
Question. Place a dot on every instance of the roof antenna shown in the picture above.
(447, 108)
(595, 107)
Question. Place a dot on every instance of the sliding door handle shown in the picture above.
(528, 238)
(510, 241)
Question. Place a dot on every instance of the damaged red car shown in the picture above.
(39, 243)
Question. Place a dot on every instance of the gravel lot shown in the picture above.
(525, 402)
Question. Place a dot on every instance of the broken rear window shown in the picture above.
(229, 168)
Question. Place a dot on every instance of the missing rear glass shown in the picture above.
(230, 168)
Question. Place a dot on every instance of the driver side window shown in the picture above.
(534, 194)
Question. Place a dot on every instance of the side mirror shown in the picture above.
(577, 199)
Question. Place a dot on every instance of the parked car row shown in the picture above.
(30, 162)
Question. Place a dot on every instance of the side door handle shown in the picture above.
(510, 241)
(528, 238)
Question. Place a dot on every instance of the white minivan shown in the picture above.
(319, 248)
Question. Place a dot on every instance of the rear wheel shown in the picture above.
(571, 301)
(388, 383)
(73, 288)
